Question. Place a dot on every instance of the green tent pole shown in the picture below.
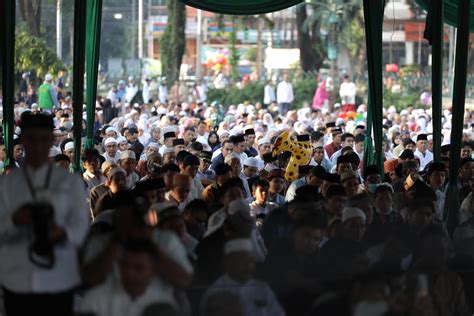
(437, 28)
(7, 40)
(78, 77)
(459, 98)
(369, 158)
(94, 17)
(373, 20)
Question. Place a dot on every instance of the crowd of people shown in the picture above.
(186, 208)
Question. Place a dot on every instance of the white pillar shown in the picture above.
(140, 29)
(199, 45)
(59, 29)
(409, 53)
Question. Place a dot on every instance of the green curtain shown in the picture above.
(450, 12)
(78, 77)
(373, 20)
(94, 17)
(242, 7)
(435, 34)
(459, 98)
(7, 53)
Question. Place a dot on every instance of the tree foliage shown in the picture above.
(30, 11)
(32, 54)
(173, 40)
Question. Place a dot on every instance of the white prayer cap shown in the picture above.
(48, 77)
(128, 154)
(352, 212)
(168, 150)
(231, 156)
(121, 139)
(430, 137)
(153, 145)
(161, 111)
(110, 141)
(263, 140)
(69, 146)
(116, 170)
(238, 245)
(185, 106)
(53, 151)
(34, 106)
(251, 162)
(222, 132)
(111, 129)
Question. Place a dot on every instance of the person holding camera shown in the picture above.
(43, 221)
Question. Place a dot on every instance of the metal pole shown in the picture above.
(259, 49)
(199, 45)
(140, 29)
(59, 29)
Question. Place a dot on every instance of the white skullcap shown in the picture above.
(128, 154)
(168, 150)
(48, 77)
(222, 132)
(111, 129)
(430, 137)
(116, 170)
(121, 139)
(153, 145)
(232, 156)
(109, 141)
(34, 105)
(53, 151)
(263, 140)
(68, 146)
(238, 245)
(352, 212)
(251, 162)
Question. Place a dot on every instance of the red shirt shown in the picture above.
(331, 149)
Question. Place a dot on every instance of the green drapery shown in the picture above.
(7, 42)
(435, 35)
(94, 18)
(242, 7)
(450, 12)
(373, 20)
(459, 98)
(78, 77)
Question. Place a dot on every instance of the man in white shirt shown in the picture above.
(111, 150)
(92, 176)
(348, 93)
(190, 167)
(269, 93)
(201, 91)
(423, 154)
(146, 91)
(264, 146)
(131, 90)
(128, 162)
(241, 291)
(36, 275)
(163, 92)
(132, 291)
(284, 96)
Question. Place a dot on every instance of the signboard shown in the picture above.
(281, 58)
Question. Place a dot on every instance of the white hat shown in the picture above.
(238, 245)
(48, 77)
(109, 141)
(251, 162)
(53, 151)
(34, 106)
(128, 154)
(352, 212)
(168, 150)
(111, 129)
(121, 139)
(116, 170)
(231, 156)
(222, 132)
(68, 146)
(153, 145)
(263, 140)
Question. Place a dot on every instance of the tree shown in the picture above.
(173, 40)
(30, 11)
(311, 49)
(32, 54)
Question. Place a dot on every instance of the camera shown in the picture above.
(41, 250)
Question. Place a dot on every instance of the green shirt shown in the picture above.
(45, 99)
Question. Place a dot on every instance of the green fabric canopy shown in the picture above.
(459, 99)
(450, 12)
(242, 7)
(7, 45)
(373, 20)
(94, 19)
(78, 77)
